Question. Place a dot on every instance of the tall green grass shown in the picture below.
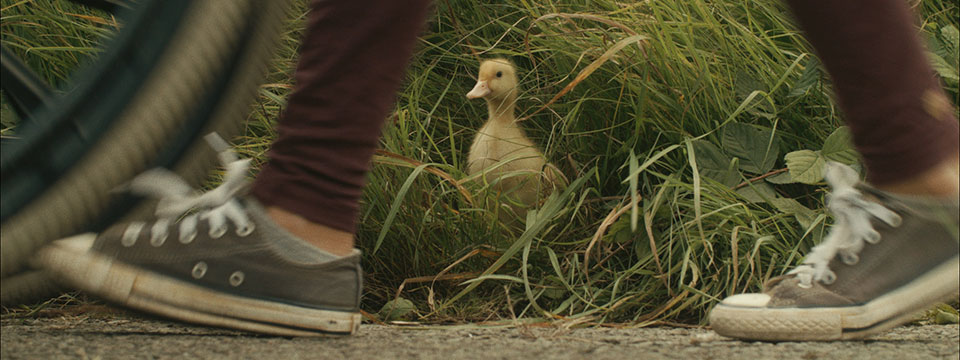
(675, 145)
(53, 39)
(702, 84)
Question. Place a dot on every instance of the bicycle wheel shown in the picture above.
(178, 70)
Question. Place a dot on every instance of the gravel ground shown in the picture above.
(124, 336)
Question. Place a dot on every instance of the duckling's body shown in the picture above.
(501, 151)
(520, 163)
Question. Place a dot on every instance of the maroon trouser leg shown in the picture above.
(352, 61)
(901, 121)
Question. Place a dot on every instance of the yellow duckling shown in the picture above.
(501, 151)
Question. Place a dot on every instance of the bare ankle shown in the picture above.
(942, 180)
(332, 240)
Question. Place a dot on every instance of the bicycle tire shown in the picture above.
(188, 94)
(28, 287)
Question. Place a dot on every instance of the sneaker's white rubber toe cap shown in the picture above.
(747, 300)
(79, 243)
(74, 245)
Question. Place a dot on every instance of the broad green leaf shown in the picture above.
(952, 35)
(781, 178)
(946, 314)
(757, 192)
(714, 164)
(745, 85)
(763, 108)
(397, 309)
(942, 314)
(943, 68)
(806, 166)
(756, 147)
(803, 214)
(939, 47)
(619, 231)
(839, 148)
(944, 318)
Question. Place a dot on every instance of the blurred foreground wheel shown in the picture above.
(176, 70)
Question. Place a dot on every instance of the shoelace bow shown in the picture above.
(176, 197)
(853, 227)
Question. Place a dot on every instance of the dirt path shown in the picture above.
(124, 337)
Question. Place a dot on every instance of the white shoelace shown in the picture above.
(852, 228)
(176, 197)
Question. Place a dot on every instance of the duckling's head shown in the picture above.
(497, 81)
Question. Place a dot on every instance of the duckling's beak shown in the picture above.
(480, 90)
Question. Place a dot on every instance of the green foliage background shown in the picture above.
(692, 151)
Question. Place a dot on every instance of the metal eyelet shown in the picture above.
(829, 278)
(246, 230)
(199, 270)
(236, 278)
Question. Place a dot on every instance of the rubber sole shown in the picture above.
(71, 261)
(839, 323)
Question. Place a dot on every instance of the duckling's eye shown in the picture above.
(499, 73)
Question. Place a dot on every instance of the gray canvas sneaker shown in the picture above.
(226, 264)
(886, 258)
